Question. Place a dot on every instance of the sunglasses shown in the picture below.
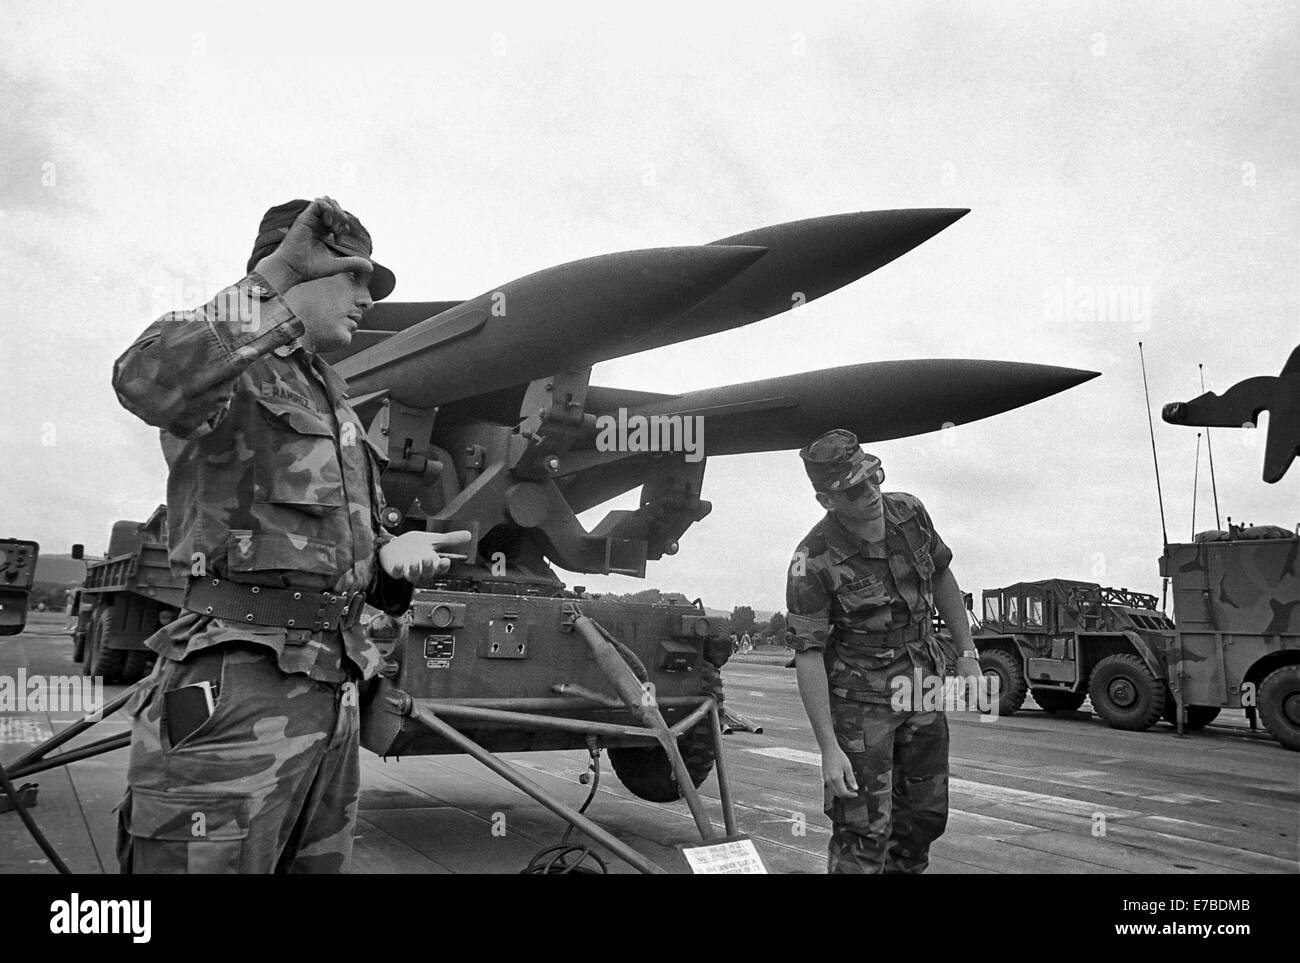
(854, 492)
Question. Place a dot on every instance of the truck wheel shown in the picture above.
(107, 662)
(646, 770)
(139, 663)
(1054, 700)
(1279, 705)
(1198, 717)
(1125, 693)
(1005, 667)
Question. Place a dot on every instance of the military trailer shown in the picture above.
(17, 574)
(487, 655)
(1237, 605)
(124, 600)
(1068, 640)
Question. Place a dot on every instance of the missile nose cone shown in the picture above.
(806, 259)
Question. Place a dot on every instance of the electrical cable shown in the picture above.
(545, 864)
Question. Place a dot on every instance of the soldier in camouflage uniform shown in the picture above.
(861, 589)
(273, 509)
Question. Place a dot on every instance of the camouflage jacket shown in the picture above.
(843, 594)
(272, 480)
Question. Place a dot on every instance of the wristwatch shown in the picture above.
(971, 654)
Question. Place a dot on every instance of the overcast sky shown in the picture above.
(1151, 146)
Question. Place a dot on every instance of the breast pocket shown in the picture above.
(298, 464)
(864, 603)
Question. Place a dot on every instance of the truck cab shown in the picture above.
(1068, 640)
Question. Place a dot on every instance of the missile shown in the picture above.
(557, 319)
(877, 401)
(806, 259)
(578, 314)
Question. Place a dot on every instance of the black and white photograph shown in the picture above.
(674, 439)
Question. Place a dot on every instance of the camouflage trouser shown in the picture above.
(900, 761)
(268, 784)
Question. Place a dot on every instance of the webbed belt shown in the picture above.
(912, 632)
(283, 608)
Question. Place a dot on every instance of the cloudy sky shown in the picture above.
(1099, 145)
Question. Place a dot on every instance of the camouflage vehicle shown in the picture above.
(124, 599)
(17, 574)
(1237, 604)
(1068, 640)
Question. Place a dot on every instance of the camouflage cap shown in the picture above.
(834, 461)
(277, 221)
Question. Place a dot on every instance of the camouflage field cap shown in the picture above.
(277, 221)
(834, 461)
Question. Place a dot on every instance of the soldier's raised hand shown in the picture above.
(414, 556)
(303, 255)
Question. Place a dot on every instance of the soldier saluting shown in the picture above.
(860, 593)
(245, 746)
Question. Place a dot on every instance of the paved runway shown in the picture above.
(1032, 793)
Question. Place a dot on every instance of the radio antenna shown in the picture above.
(1195, 476)
(1214, 487)
(1164, 532)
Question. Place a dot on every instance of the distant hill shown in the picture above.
(59, 569)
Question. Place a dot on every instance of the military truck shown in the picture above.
(1068, 640)
(17, 574)
(125, 598)
(1237, 643)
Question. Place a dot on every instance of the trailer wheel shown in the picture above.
(1054, 700)
(646, 770)
(107, 662)
(1125, 693)
(139, 663)
(1198, 717)
(1279, 705)
(1005, 667)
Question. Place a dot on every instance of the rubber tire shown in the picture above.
(1011, 679)
(1052, 700)
(139, 663)
(1198, 717)
(1280, 688)
(108, 662)
(645, 770)
(1149, 702)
